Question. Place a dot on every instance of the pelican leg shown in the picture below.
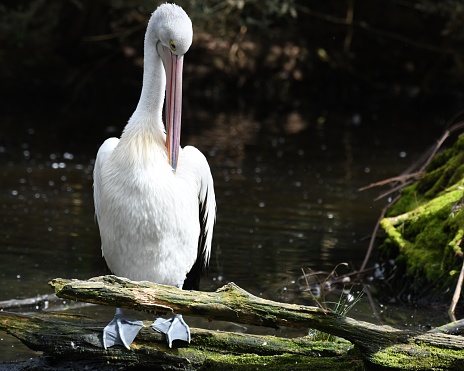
(120, 331)
(174, 328)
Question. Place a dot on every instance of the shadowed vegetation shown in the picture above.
(81, 52)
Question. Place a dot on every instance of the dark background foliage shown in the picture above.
(79, 53)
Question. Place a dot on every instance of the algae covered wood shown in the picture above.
(229, 303)
(72, 339)
(378, 345)
(424, 231)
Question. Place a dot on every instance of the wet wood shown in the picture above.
(73, 339)
(379, 345)
(78, 338)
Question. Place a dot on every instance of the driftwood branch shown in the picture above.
(379, 345)
(77, 338)
(229, 303)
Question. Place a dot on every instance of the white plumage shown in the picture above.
(155, 212)
(148, 216)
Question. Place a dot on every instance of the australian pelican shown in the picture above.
(154, 201)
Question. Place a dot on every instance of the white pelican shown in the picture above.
(154, 201)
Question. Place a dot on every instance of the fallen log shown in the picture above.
(372, 346)
(379, 345)
(76, 338)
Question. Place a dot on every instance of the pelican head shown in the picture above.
(173, 28)
(170, 29)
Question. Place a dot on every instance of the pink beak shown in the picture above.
(173, 65)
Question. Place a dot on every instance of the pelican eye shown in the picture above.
(172, 45)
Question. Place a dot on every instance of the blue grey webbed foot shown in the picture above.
(174, 328)
(120, 331)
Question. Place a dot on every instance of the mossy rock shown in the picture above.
(424, 229)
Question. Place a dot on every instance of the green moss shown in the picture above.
(408, 201)
(431, 358)
(282, 362)
(455, 243)
(426, 226)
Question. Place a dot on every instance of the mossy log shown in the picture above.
(66, 337)
(74, 338)
(425, 228)
(373, 345)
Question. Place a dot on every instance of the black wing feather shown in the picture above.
(192, 281)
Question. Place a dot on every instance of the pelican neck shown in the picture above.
(154, 81)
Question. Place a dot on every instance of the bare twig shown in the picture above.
(310, 292)
(374, 233)
(400, 178)
(457, 294)
(416, 170)
(399, 187)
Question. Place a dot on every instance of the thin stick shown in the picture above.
(374, 234)
(457, 294)
(399, 178)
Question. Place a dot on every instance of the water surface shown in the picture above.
(287, 199)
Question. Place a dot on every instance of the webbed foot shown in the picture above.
(120, 331)
(174, 328)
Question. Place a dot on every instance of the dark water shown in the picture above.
(287, 199)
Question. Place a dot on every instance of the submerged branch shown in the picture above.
(37, 301)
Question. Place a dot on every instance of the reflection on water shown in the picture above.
(287, 199)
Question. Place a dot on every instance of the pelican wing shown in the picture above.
(207, 215)
(102, 156)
